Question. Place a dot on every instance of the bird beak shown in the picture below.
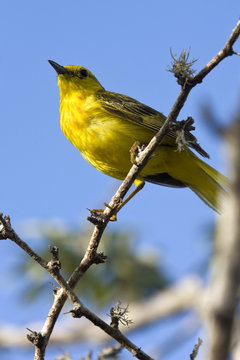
(59, 68)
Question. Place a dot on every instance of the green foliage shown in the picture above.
(127, 275)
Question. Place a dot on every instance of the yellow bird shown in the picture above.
(104, 125)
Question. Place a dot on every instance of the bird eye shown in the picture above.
(83, 73)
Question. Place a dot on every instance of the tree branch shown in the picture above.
(40, 340)
(194, 354)
(186, 294)
(226, 51)
(7, 232)
(224, 288)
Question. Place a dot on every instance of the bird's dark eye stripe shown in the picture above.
(83, 73)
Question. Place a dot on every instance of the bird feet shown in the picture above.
(97, 215)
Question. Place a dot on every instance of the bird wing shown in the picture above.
(132, 110)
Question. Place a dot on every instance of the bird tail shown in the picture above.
(213, 189)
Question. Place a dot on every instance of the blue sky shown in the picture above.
(126, 45)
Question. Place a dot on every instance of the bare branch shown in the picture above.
(194, 354)
(186, 294)
(114, 333)
(224, 288)
(7, 232)
(226, 51)
(40, 339)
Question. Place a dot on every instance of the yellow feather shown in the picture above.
(103, 126)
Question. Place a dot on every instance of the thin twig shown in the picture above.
(226, 51)
(186, 294)
(194, 354)
(40, 340)
(7, 232)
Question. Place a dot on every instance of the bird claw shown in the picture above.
(136, 148)
(98, 214)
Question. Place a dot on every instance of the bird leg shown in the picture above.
(98, 212)
(139, 185)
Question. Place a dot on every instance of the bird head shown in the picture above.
(75, 78)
